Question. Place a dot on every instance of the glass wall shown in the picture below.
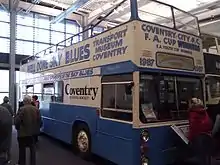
(39, 32)
(4, 87)
(4, 32)
(34, 32)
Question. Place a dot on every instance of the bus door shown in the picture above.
(187, 88)
(167, 98)
(115, 123)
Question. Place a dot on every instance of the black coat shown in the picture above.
(5, 129)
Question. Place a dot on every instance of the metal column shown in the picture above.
(12, 79)
(134, 9)
(84, 26)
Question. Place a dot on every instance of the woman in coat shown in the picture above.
(200, 128)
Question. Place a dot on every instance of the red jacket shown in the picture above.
(37, 103)
(199, 122)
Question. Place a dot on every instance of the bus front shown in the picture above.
(170, 72)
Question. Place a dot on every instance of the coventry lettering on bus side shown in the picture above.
(81, 93)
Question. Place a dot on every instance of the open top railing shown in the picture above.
(123, 11)
(211, 43)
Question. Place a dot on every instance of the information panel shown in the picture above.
(173, 61)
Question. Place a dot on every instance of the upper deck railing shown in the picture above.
(127, 10)
(211, 43)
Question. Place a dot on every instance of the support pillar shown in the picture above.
(84, 26)
(12, 79)
(134, 9)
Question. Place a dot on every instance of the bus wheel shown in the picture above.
(83, 141)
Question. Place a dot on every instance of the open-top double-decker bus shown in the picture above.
(117, 94)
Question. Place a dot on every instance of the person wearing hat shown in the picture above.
(200, 128)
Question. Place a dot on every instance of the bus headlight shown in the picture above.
(144, 136)
(144, 160)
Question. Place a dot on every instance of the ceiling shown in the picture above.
(207, 11)
(95, 4)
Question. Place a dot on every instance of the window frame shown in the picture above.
(176, 96)
(115, 80)
(47, 85)
(5, 45)
(210, 85)
(37, 93)
(26, 90)
(54, 92)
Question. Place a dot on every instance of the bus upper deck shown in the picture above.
(122, 12)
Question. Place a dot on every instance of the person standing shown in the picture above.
(35, 102)
(7, 105)
(200, 128)
(26, 122)
(5, 134)
(10, 110)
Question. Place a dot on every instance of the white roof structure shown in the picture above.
(207, 11)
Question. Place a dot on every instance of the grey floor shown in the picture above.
(53, 152)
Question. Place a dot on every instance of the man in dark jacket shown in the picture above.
(5, 133)
(10, 110)
(26, 122)
(7, 105)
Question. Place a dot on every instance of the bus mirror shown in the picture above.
(128, 88)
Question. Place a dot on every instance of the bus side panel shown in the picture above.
(61, 117)
(164, 144)
(114, 141)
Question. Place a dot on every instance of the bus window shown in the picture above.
(48, 92)
(209, 44)
(38, 91)
(148, 99)
(214, 85)
(58, 92)
(166, 98)
(29, 90)
(187, 88)
(117, 99)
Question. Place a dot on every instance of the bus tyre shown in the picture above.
(83, 141)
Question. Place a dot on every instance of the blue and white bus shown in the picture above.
(211, 49)
(117, 94)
